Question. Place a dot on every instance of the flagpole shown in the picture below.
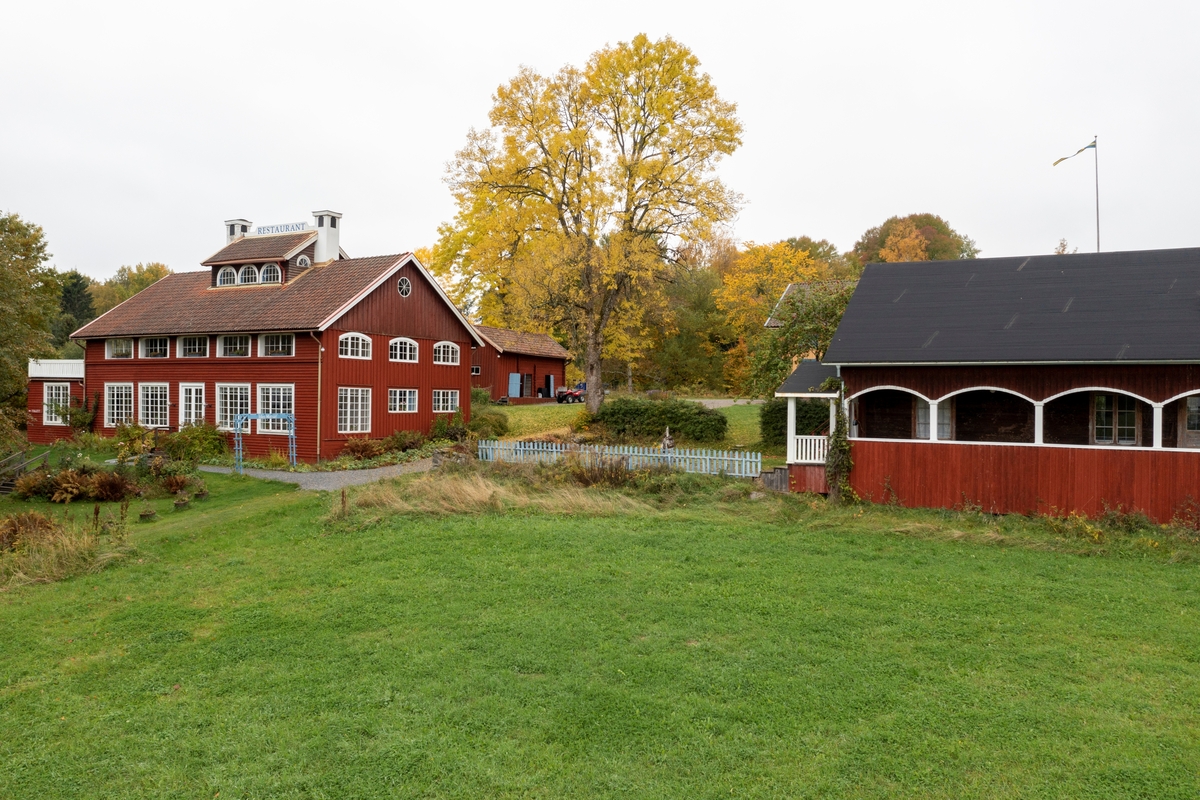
(1096, 155)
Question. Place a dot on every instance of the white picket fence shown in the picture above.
(704, 462)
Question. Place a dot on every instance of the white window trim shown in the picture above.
(49, 417)
(476, 369)
(232, 272)
(404, 279)
(278, 272)
(141, 419)
(416, 398)
(416, 350)
(258, 423)
(108, 420)
(108, 348)
(242, 271)
(217, 401)
(457, 355)
(262, 346)
(370, 345)
(457, 401)
(142, 346)
(179, 346)
(193, 386)
(221, 346)
(370, 410)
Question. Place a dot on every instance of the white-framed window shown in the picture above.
(303, 262)
(404, 287)
(270, 274)
(248, 274)
(155, 347)
(354, 345)
(445, 401)
(153, 405)
(118, 348)
(354, 409)
(276, 344)
(192, 346)
(55, 397)
(402, 349)
(191, 403)
(118, 404)
(402, 401)
(237, 346)
(445, 353)
(476, 369)
(232, 399)
(275, 398)
(226, 276)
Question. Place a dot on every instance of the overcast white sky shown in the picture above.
(129, 131)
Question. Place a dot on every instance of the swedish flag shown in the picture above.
(1091, 146)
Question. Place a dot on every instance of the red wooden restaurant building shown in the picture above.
(281, 323)
(1047, 384)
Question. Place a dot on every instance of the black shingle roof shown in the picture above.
(1135, 306)
(807, 377)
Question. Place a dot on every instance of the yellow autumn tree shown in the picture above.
(574, 204)
(905, 243)
(125, 284)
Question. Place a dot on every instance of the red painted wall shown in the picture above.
(1013, 479)
(808, 478)
(494, 369)
(38, 432)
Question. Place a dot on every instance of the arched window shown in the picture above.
(445, 353)
(248, 274)
(270, 273)
(354, 345)
(227, 276)
(401, 349)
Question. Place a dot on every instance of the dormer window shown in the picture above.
(155, 347)
(270, 273)
(303, 262)
(119, 348)
(248, 274)
(354, 345)
(227, 276)
(445, 353)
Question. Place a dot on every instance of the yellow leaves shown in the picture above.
(905, 242)
(125, 284)
(757, 279)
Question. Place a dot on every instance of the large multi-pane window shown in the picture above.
(119, 348)
(1115, 419)
(275, 398)
(944, 430)
(354, 345)
(156, 347)
(232, 399)
(354, 409)
(191, 403)
(402, 350)
(193, 346)
(235, 346)
(277, 344)
(445, 353)
(402, 401)
(445, 401)
(55, 398)
(118, 404)
(153, 405)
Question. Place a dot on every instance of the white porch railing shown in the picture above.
(808, 450)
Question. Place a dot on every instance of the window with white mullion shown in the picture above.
(276, 344)
(445, 401)
(191, 404)
(354, 409)
(402, 401)
(118, 404)
(445, 353)
(232, 399)
(56, 397)
(192, 347)
(275, 398)
(402, 349)
(354, 345)
(155, 347)
(153, 405)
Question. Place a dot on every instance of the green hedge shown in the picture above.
(650, 418)
(811, 415)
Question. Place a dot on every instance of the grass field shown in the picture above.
(698, 644)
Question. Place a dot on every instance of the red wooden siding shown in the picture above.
(1008, 479)
(494, 369)
(808, 478)
(38, 432)
(421, 315)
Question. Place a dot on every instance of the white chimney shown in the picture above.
(236, 229)
(328, 223)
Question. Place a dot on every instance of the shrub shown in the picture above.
(403, 441)
(22, 528)
(811, 416)
(109, 487)
(133, 439)
(582, 421)
(94, 441)
(611, 472)
(362, 448)
(196, 442)
(650, 418)
(480, 398)
(174, 484)
(448, 427)
(69, 484)
(489, 424)
(39, 483)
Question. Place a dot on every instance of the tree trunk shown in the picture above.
(591, 371)
(629, 377)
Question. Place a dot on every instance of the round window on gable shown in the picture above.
(303, 261)
(404, 287)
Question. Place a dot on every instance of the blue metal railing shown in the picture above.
(241, 421)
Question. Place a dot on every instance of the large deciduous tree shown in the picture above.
(574, 205)
(125, 284)
(29, 292)
(917, 237)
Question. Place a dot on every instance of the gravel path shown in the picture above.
(331, 481)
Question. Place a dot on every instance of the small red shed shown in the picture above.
(522, 367)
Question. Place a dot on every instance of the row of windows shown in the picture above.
(247, 274)
(230, 346)
(153, 404)
(357, 345)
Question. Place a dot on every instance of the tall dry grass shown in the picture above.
(46, 549)
(474, 494)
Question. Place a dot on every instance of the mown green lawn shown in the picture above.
(702, 647)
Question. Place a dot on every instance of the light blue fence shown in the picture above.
(704, 462)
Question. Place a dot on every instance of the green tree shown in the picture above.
(29, 292)
(810, 317)
(125, 284)
(917, 237)
(573, 207)
(75, 310)
(692, 351)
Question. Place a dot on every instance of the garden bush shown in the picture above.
(649, 418)
(448, 427)
(811, 416)
(403, 441)
(196, 442)
(480, 398)
(362, 448)
(488, 424)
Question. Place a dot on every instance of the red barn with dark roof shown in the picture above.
(282, 323)
(522, 367)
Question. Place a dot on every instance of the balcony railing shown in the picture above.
(808, 450)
